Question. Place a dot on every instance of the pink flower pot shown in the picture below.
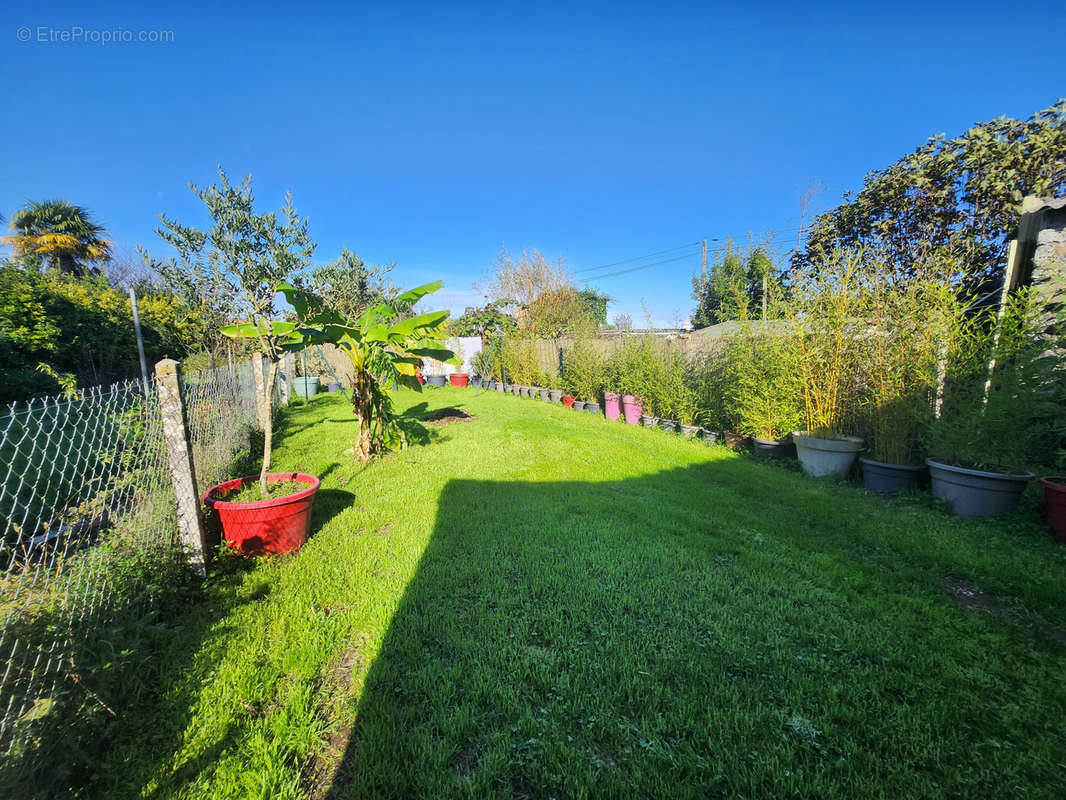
(633, 408)
(612, 405)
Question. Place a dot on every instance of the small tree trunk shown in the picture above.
(268, 425)
(363, 410)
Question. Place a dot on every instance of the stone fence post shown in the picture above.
(182, 470)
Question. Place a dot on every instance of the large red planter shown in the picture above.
(568, 401)
(612, 405)
(1055, 506)
(633, 408)
(279, 525)
(459, 379)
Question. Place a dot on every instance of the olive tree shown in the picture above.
(248, 256)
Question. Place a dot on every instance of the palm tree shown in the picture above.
(59, 234)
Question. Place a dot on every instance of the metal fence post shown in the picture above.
(182, 471)
(259, 372)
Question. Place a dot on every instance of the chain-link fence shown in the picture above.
(85, 491)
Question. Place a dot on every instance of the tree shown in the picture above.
(385, 352)
(594, 306)
(734, 287)
(486, 320)
(250, 258)
(58, 235)
(349, 286)
(959, 195)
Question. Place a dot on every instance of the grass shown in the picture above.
(539, 603)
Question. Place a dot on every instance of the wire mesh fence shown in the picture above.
(85, 492)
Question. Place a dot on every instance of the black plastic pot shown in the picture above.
(592, 408)
(885, 478)
(974, 492)
(772, 448)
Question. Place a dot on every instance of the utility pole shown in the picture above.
(703, 262)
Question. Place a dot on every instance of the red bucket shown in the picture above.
(278, 525)
(568, 401)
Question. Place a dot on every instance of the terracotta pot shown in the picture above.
(278, 525)
(1055, 506)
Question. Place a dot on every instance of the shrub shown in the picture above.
(765, 392)
(583, 371)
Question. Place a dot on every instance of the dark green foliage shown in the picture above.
(79, 329)
(594, 304)
(485, 321)
(733, 289)
(960, 195)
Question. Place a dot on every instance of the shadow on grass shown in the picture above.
(641, 637)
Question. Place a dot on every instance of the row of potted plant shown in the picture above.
(857, 362)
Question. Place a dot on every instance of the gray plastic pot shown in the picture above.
(499, 387)
(555, 395)
(435, 380)
(974, 492)
(688, 431)
(544, 395)
(649, 422)
(885, 478)
(669, 425)
(534, 392)
(826, 458)
(772, 448)
(709, 436)
(592, 408)
(305, 387)
(579, 405)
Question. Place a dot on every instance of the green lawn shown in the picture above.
(538, 603)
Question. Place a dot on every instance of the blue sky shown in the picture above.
(434, 134)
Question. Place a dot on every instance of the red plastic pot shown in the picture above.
(612, 405)
(459, 379)
(279, 525)
(421, 380)
(568, 401)
(633, 408)
(1055, 506)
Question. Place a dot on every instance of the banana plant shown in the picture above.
(385, 353)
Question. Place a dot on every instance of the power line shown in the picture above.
(637, 258)
(644, 266)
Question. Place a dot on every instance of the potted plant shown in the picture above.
(649, 421)
(632, 409)
(994, 415)
(459, 379)
(592, 407)
(899, 360)
(823, 324)
(765, 391)
(612, 405)
(251, 256)
(582, 373)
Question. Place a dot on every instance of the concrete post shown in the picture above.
(287, 365)
(182, 470)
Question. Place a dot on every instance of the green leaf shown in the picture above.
(416, 294)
